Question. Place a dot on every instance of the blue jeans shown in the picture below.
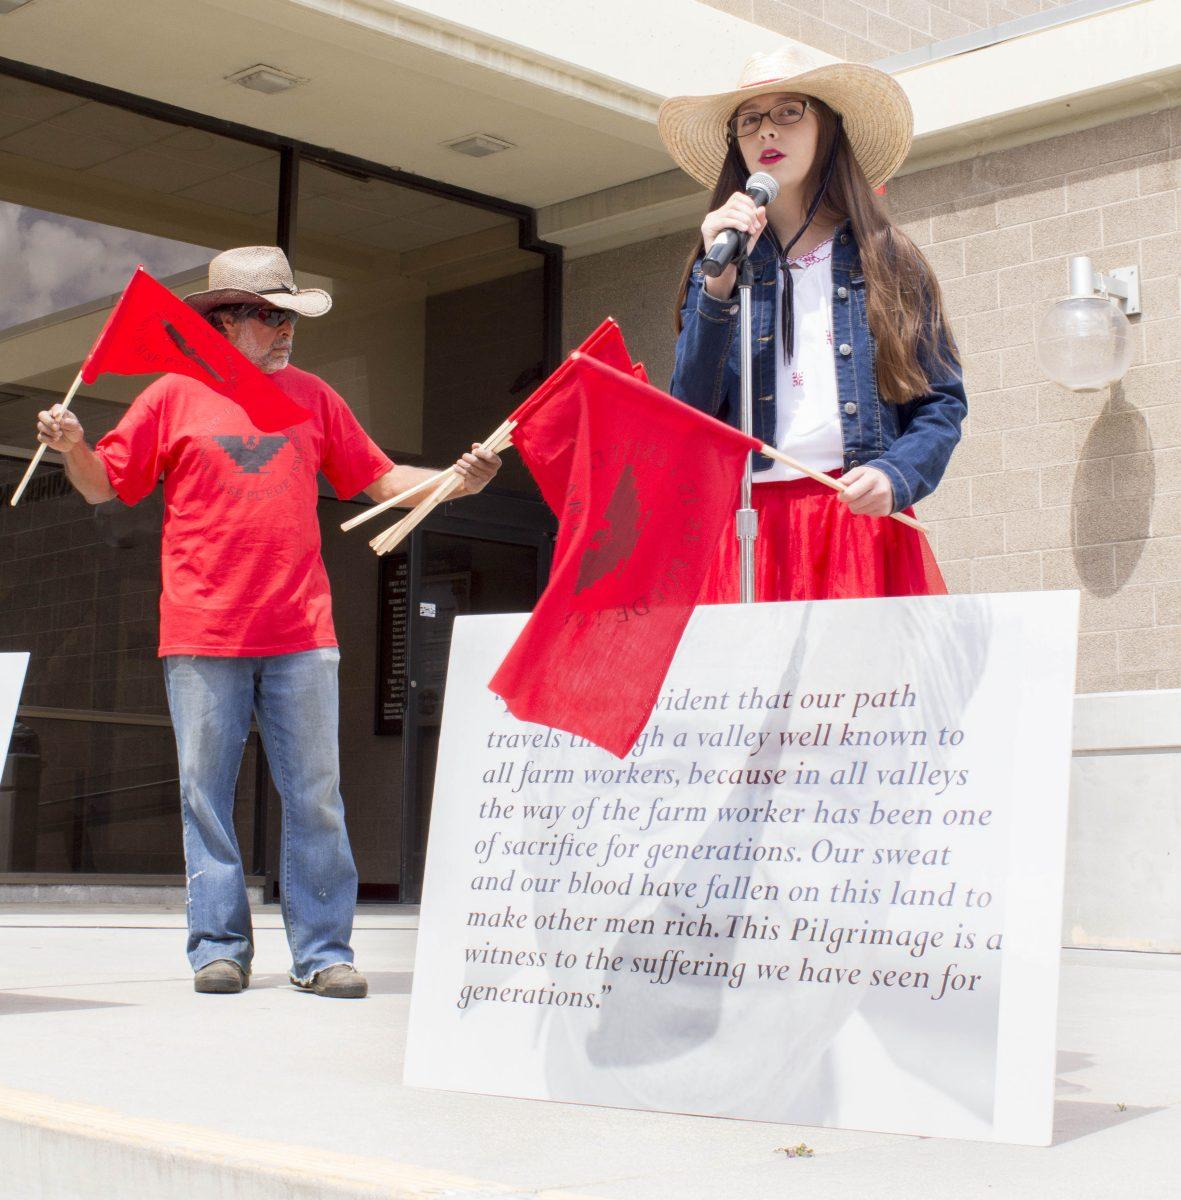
(295, 699)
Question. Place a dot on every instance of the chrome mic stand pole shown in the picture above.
(746, 519)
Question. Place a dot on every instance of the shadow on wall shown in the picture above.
(1123, 518)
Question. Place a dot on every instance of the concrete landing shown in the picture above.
(117, 1080)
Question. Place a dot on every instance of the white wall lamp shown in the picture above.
(1084, 342)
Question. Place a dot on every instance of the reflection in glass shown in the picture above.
(102, 798)
(88, 191)
(436, 318)
(51, 263)
(435, 335)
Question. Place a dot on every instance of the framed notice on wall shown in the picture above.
(825, 886)
(393, 643)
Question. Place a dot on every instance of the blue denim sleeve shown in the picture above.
(930, 426)
(708, 329)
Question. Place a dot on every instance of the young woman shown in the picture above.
(855, 370)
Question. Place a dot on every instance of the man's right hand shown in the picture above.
(59, 429)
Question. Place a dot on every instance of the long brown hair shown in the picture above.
(904, 304)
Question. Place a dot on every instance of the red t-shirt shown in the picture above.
(240, 564)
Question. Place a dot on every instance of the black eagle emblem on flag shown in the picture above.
(616, 538)
(188, 350)
(251, 454)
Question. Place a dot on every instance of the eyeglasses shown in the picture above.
(272, 317)
(790, 112)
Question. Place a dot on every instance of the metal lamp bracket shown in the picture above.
(1121, 285)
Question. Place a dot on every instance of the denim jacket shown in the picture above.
(911, 443)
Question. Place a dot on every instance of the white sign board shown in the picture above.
(12, 681)
(825, 888)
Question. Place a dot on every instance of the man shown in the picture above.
(245, 613)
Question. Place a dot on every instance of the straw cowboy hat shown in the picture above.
(876, 114)
(257, 275)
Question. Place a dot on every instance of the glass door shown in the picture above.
(471, 567)
(394, 616)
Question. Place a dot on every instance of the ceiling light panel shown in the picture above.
(268, 80)
(478, 145)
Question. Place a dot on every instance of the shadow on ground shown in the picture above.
(1078, 1118)
(381, 983)
(14, 1003)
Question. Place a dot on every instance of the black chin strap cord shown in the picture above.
(786, 311)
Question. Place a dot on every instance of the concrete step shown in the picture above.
(56, 1149)
(119, 1082)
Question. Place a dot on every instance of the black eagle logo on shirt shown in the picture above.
(614, 540)
(251, 454)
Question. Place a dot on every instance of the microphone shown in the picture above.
(762, 189)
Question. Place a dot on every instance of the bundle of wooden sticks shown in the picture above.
(445, 484)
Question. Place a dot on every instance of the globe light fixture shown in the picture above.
(1084, 342)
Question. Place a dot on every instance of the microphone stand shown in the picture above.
(746, 520)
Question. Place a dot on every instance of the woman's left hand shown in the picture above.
(868, 493)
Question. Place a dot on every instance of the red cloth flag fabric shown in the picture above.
(151, 331)
(607, 345)
(643, 486)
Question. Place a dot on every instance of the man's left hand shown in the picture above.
(868, 493)
(477, 469)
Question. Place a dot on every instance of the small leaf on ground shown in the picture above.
(801, 1151)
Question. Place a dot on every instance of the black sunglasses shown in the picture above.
(272, 317)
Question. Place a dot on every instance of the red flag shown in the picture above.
(644, 486)
(606, 344)
(151, 331)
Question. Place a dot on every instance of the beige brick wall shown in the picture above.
(1048, 489)
(637, 286)
(866, 30)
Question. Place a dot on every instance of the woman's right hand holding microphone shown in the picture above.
(739, 212)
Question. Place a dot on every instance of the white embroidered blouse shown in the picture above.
(808, 423)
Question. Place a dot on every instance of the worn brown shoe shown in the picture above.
(342, 981)
(222, 976)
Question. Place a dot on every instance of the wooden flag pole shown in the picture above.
(829, 481)
(24, 483)
(402, 497)
(385, 542)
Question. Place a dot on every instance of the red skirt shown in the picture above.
(811, 547)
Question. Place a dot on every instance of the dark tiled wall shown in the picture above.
(79, 589)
